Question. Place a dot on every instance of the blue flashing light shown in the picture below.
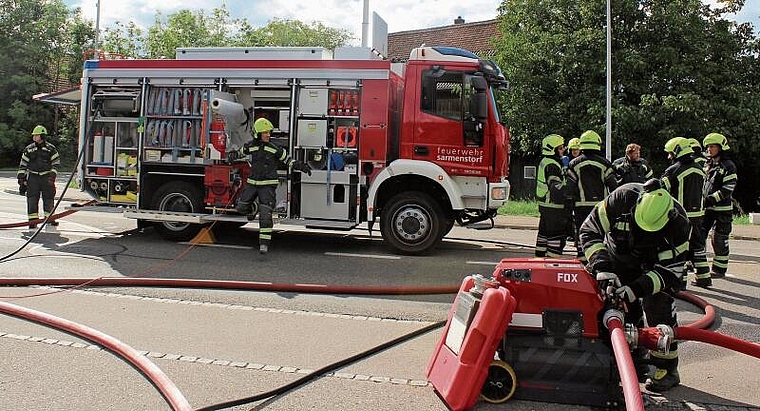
(454, 51)
(91, 64)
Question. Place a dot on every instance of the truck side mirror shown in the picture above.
(479, 102)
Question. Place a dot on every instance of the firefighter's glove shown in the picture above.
(625, 293)
(51, 178)
(710, 201)
(22, 180)
(22, 189)
(608, 283)
(302, 167)
(233, 156)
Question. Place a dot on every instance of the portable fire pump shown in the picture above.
(533, 331)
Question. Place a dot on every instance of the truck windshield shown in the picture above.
(495, 96)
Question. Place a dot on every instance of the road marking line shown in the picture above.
(491, 263)
(225, 363)
(383, 257)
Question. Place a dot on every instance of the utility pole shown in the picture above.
(97, 30)
(608, 134)
(365, 24)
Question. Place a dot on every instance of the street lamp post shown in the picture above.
(608, 134)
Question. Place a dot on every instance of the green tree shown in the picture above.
(124, 39)
(294, 33)
(679, 69)
(187, 28)
(32, 41)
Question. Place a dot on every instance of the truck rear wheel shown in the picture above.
(181, 197)
(411, 223)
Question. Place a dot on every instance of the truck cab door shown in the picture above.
(451, 122)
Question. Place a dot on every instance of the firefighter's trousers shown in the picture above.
(267, 196)
(579, 216)
(39, 185)
(552, 231)
(697, 252)
(720, 221)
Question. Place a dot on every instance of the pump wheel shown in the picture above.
(180, 197)
(411, 223)
(500, 384)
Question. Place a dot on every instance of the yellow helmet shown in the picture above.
(679, 146)
(590, 140)
(550, 144)
(262, 125)
(39, 131)
(653, 209)
(695, 145)
(574, 144)
(716, 138)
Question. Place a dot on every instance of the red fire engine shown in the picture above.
(416, 146)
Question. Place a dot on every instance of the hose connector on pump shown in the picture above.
(656, 338)
(612, 314)
(632, 336)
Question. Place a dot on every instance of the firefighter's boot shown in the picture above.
(640, 362)
(263, 249)
(53, 223)
(665, 376)
(702, 282)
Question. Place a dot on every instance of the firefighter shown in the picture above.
(263, 180)
(684, 180)
(590, 178)
(37, 172)
(550, 192)
(636, 243)
(699, 157)
(573, 150)
(720, 182)
(631, 168)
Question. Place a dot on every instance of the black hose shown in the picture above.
(328, 368)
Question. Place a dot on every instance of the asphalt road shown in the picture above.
(223, 345)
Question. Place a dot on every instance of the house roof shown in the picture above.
(475, 36)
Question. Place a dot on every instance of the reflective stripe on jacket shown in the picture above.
(590, 178)
(720, 182)
(39, 159)
(550, 184)
(264, 158)
(684, 180)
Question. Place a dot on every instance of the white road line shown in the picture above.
(491, 263)
(382, 257)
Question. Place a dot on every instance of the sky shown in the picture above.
(400, 15)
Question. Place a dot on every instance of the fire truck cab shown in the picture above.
(417, 147)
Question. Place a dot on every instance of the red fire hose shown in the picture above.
(613, 319)
(164, 385)
(233, 285)
(40, 220)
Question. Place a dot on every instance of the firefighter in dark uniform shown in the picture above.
(263, 180)
(720, 182)
(684, 180)
(590, 178)
(699, 157)
(37, 172)
(550, 192)
(636, 242)
(631, 168)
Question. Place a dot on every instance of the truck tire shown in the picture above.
(182, 197)
(411, 223)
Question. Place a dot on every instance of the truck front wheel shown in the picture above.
(411, 223)
(180, 197)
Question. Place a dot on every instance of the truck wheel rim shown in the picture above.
(176, 202)
(412, 224)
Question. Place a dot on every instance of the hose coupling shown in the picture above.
(667, 336)
(612, 314)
